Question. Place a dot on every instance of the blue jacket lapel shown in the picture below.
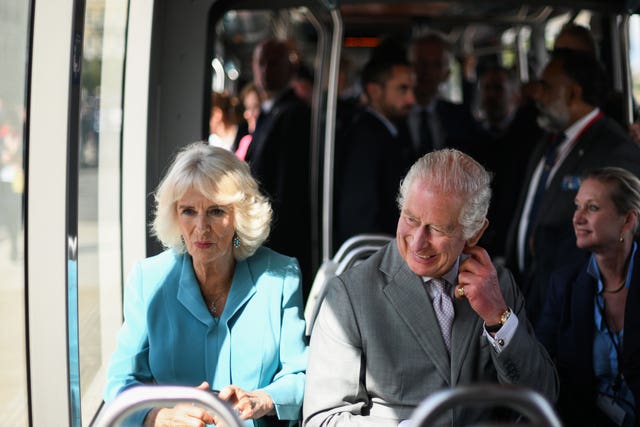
(242, 288)
(189, 295)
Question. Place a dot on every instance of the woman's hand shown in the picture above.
(249, 404)
(183, 414)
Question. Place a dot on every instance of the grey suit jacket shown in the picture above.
(377, 351)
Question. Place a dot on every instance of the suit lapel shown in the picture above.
(189, 293)
(465, 325)
(265, 123)
(631, 344)
(263, 128)
(568, 167)
(536, 155)
(242, 289)
(405, 292)
(582, 307)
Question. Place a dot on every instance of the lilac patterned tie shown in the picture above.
(443, 307)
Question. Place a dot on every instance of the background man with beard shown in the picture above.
(580, 137)
(376, 152)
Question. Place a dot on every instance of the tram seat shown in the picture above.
(528, 403)
(351, 252)
(148, 396)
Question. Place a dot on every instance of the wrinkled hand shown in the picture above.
(481, 287)
(183, 414)
(249, 404)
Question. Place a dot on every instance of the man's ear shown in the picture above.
(574, 93)
(476, 237)
(374, 90)
(630, 220)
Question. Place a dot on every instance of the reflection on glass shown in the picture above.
(634, 54)
(14, 33)
(99, 194)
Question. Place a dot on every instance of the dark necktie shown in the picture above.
(549, 161)
(426, 136)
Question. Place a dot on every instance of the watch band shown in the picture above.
(493, 328)
(503, 319)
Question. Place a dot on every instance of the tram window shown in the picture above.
(634, 54)
(99, 257)
(554, 25)
(14, 31)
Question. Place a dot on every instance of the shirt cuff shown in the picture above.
(504, 335)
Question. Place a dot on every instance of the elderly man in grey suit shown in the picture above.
(390, 330)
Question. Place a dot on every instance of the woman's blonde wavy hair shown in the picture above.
(224, 179)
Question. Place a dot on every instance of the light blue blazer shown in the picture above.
(170, 338)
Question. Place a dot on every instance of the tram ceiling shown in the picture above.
(506, 9)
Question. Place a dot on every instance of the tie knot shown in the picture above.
(440, 285)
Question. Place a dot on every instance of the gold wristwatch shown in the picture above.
(503, 319)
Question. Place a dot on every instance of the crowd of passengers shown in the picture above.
(514, 259)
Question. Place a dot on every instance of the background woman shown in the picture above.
(250, 99)
(216, 309)
(591, 322)
(226, 114)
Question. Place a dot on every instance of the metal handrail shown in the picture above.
(141, 397)
(529, 403)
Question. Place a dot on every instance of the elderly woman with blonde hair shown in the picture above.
(217, 309)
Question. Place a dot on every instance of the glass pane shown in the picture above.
(634, 54)
(14, 33)
(99, 255)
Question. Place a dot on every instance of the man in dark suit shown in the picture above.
(580, 137)
(510, 133)
(390, 332)
(372, 155)
(434, 122)
(279, 154)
